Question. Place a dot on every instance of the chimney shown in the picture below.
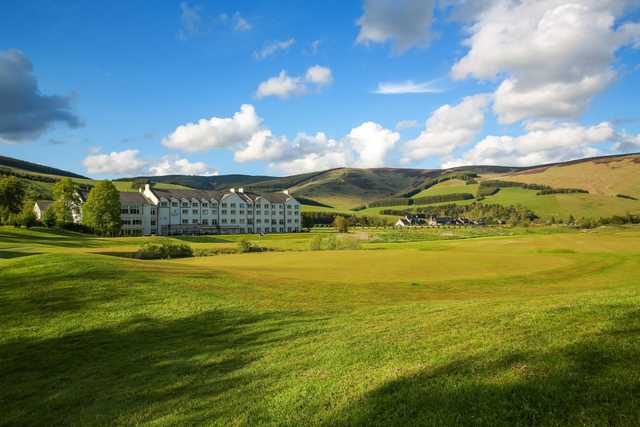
(240, 190)
(233, 190)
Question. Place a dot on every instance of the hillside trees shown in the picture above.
(49, 217)
(66, 199)
(341, 224)
(11, 198)
(101, 212)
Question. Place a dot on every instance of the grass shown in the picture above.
(530, 327)
(454, 186)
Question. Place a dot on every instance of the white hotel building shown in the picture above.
(174, 212)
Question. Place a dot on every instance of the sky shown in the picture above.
(129, 88)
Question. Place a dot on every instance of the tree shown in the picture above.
(49, 217)
(101, 212)
(66, 200)
(11, 197)
(341, 224)
(27, 217)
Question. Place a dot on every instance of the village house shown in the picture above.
(41, 206)
(175, 212)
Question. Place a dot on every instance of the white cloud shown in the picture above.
(404, 22)
(626, 142)
(408, 86)
(448, 128)
(273, 47)
(319, 75)
(240, 23)
(563, 142)
(283, 85)
(367, 145)
(406, 124)
(215, 132)
(171, 165)
(553, 55)
(191, 21)
(314, 47)
(121, 162)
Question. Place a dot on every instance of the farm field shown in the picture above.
(438, 327)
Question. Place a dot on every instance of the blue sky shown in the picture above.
(559, 80)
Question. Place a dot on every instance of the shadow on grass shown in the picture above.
(185, 370)
(15, 254)
(46, 236)
(593, 382)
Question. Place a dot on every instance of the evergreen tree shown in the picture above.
(66, 199)
(101, 212)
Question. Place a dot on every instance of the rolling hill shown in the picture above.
(342, 189)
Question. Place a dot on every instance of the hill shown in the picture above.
(25, 166)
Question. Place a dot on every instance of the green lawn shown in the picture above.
(470, 327)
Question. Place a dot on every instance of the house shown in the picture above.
(411, 220)
(40, 206)
(435, 221)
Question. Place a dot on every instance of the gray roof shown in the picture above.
(133, 198)
(217, 195)
(44, 204)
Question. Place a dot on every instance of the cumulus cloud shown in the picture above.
(626, 142)
(25, 113)
(283, 85)
(405, 23)
(408, 86)
(215, 132)
(171, 165)
(367, 145)
(116, 162)
(273, 47)
(553, 55)
(319, 75)
(448, 128)
(562, 142)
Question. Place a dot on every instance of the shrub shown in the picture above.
(486, 191)
(316, 243)
(245, 246)
(164, 250)
(341, 224)
(624, 196)
(560, 191)
(429, 200)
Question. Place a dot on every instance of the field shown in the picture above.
(437, 327)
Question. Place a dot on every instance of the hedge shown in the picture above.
(429, 200)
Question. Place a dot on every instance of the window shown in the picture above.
(204, 205)
(205, 212)
(258, 221)
(289, 207)
(289, 221)
(194, 205)
(205, 222)
(194, 211)
(164, 204)
(174, 204)
(297, 207)
(185, 204)
(224, 205)
(153, 222)
(194, 221)
(257, 212)
(224, 220)
(232, 212)
(184, 221)
(214, 222)
(243, 205)
(224, 212)
(241, 212)
(233, 205)
(136, 222)
(273, 222)
(124, 211)
(185, 211)
(135, 211)
(153, 211)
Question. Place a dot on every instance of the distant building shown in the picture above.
(174, 212)
(41, 206)
(411, 221)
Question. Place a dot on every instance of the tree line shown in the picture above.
(100, 212)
